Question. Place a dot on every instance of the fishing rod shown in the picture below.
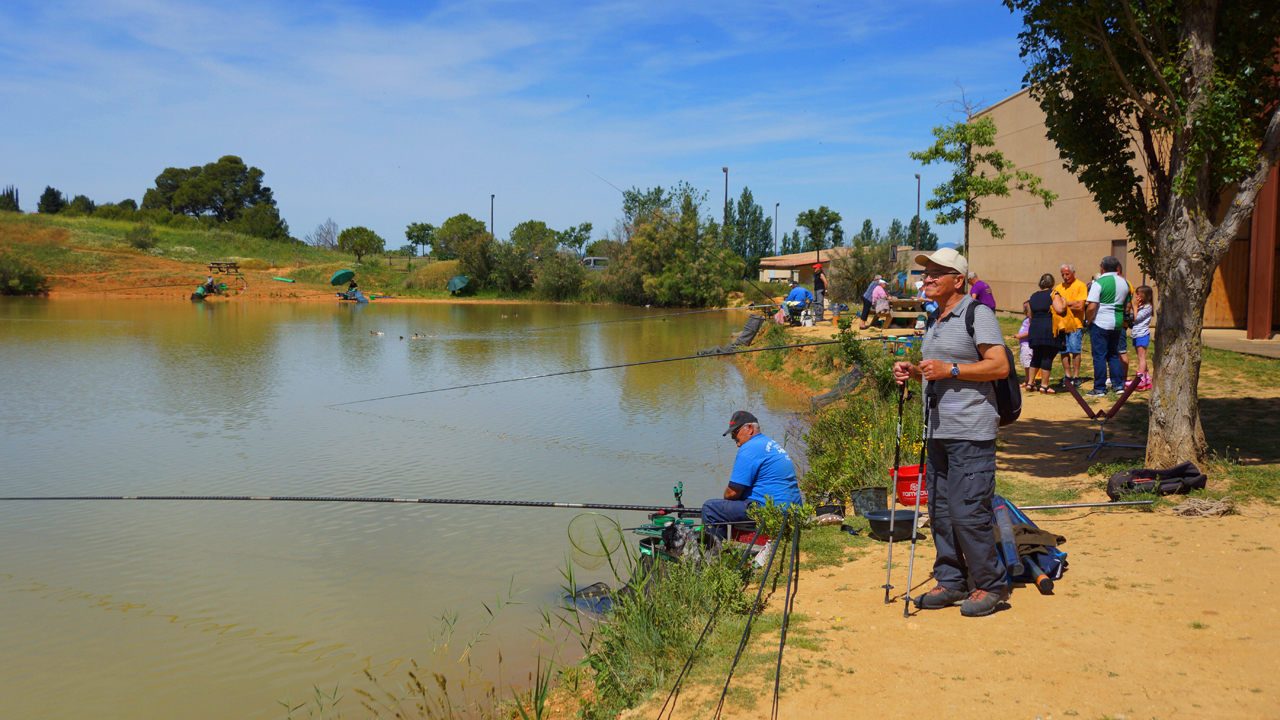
(335, 499)
(660, 218)
(650, 317)
(584, 370)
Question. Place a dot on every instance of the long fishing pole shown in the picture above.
(329, 498)
(788, 603)
(593, 369)
(674, 696)
(649, 317)
(746, 633)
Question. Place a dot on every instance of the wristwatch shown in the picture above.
(955, 370)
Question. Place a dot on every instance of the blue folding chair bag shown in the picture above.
(1053, 561)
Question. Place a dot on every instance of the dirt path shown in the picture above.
(1156, 617)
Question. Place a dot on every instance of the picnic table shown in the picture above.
(224, 267)
(906, 308)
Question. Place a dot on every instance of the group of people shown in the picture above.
(1057, 316)
(799, 298)
(960, 361)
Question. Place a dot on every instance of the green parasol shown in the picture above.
(457, 282)
(342, 276)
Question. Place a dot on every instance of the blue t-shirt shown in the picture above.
(799, 294)
(764, 469)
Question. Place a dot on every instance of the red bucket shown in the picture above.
(908, 483)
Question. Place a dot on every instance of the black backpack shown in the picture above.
(1179, 479)
(1008, 389)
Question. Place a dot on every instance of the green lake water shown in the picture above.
(219, 610)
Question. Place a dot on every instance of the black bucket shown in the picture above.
(902, 522)
(868, 499)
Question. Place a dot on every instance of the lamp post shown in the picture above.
(491, 197)
(915, 240)
(775, 228)
(726, 200)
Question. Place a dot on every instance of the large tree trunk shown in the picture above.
(1175, 434)
(1188, 254)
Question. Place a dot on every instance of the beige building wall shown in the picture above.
(1039, 240)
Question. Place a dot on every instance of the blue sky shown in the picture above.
(385, 113)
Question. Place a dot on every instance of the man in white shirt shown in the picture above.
(1108, 297)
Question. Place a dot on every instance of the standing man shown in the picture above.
(866, 300)
(1071, 322)
(1108, 296)
(819, 290)
(761, 470)
(960, 475)
(981, 291)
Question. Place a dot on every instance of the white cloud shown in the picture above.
(381, 117)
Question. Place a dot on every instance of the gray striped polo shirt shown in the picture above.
(966, 410)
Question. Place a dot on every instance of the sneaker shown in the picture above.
(1096, 393)
(940, 597)
(1077, 381)
(980, 603)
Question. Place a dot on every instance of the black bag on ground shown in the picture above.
(1179, 479)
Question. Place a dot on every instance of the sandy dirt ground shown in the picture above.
(1156, 617)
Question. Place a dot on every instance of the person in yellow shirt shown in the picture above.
(1071, 321)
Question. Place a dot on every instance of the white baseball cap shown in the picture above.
(946, 257)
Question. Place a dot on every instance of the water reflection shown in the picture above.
(117, 397)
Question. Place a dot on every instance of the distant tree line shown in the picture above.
(226, 195)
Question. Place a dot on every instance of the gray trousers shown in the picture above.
(961, 481)
(818, 303)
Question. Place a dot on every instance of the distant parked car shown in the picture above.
(595, 263)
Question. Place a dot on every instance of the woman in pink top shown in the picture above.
(880, 301)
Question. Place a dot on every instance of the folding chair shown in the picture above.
(1102, 418)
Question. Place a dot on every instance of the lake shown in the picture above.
(222, 609)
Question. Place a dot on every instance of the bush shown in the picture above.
(649, 634)
(560, 278)
(19, 277)
(141, 236)
(513, 268)
(476, 257)
(851, 444)
(432, 276)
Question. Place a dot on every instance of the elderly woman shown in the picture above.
(1044, 344)
(880, 302)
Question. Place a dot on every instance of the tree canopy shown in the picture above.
(225, 190)
(9, 199)
(926, 240)
(823, 226)
(51, 202)
(1169, 114)
(456, 230)
(421, 236)
(959, 199)
(360, 241)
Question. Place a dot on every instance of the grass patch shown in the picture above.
(1025, 493)
(830, 546)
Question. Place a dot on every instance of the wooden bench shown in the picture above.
(224, 267)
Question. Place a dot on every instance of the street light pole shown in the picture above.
(775, 228)
(491, 197)
(726, 199)
(915, 242)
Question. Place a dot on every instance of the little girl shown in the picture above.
(1024, 346)
(1143, 313)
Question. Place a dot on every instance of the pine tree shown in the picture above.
(51, 202)
(9, 199)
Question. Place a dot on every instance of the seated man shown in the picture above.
(797, 300)
(762, 469)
